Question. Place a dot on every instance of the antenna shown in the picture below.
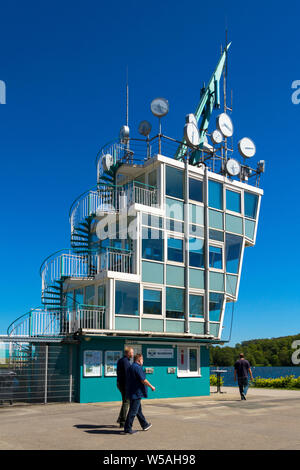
(127, 95)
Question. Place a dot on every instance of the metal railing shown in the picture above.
(67, 264)
(39, 322)
(116, 260)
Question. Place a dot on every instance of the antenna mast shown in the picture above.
(127, 96)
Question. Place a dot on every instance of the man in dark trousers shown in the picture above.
(241, 370)
(137, 389)
(122, 368)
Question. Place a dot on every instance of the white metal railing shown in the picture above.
(68, 265)
(118, 261)
(59, 322)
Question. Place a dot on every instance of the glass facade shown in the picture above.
(215, 306)
(126, 298)
(175, 249)
(89, 295)
(233, 201)
(195, 190)
(174, 302)
(215, 195)
(196, 306)
(251, 203)
(233, 249)
(152, 244)
(152, 302)
(174, 182)
(196, 253)
(215, 257)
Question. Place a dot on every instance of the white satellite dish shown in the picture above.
(224, 124)
(191, 134)
(247, 147)
(124, 134)
(191, 118)
(233, 167)
(107, 161)
(159, 107)
(145, 128)
(216, 137)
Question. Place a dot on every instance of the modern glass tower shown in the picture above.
(156, 255)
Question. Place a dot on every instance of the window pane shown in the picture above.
(174, 182)
(152, 302)
(127, 298)
(196, 190)
(152, 244)
(215, 257)
(174, 226)
(193, 360)
(251, 202)
(78, 297)
(233, 252)
(174, 209)
(196, 231)
(215, 306)
(216, 235)
(175, 250)
(215, 195)
(101, 295)
(152, 220)
(174, 302)
(196, 254)
(196, 306)
(152, 178)
(233, 201)
(89, 295)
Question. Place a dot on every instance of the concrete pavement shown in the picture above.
(269, 419)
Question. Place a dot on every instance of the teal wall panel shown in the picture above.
(215, 219)
(214, 329)
(151, 324)
(249, 228)
(174, 275)
(197, 328)
(216, 281)
(174, 209)
(231, 283)
(152, 272)
(234, 224)
(175, 326)
(196, 278)
(126, 323)
(196, 214)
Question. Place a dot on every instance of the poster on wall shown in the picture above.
(160, 353)
(92, 362)
(111, 359)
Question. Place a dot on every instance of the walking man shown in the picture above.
(122, 369)
(137, 389)
(241, 370)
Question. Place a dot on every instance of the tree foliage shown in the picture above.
(259, 352)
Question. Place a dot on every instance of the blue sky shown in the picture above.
(64, 65)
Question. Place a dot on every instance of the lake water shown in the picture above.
(263, 372)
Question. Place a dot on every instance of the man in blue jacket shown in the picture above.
(122, 369)
(136, 390)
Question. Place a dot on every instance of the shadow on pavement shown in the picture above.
(99, 429)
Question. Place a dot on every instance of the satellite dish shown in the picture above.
(247, 147)
(191, 118)
(107, 161)
(224, 125)
(191, 134)
(233, 167)
(216, 137)
(145, 128)
(124, 134)
(159, 107)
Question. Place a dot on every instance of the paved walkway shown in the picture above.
(269, 419)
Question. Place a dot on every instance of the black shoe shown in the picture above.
(129, 432)
(243, 397)
(147, 427)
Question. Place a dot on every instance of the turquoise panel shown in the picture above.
(249, 229)
(196, 278)
(215, 219)
(231, 283)
(104, 389)
(214, 329)
(197, 328)
(152, 272)
(150, 324)
(175, 326)
(174, 209)
(216, 281)
(125, 323)
(196, 214)
(234, 224)
(175, 275)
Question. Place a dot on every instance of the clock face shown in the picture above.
(216, 137)
(225, 125)
(159, 107)
(247, 147)
(191, 134)
(233, 167)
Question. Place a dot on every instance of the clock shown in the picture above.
(191, 134)
(233, 167)
(224, 124)
(216, 137)
(191, 118)
(159, 107)
(246, 147)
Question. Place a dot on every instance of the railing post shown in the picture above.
(70, 372)
(46, 374)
